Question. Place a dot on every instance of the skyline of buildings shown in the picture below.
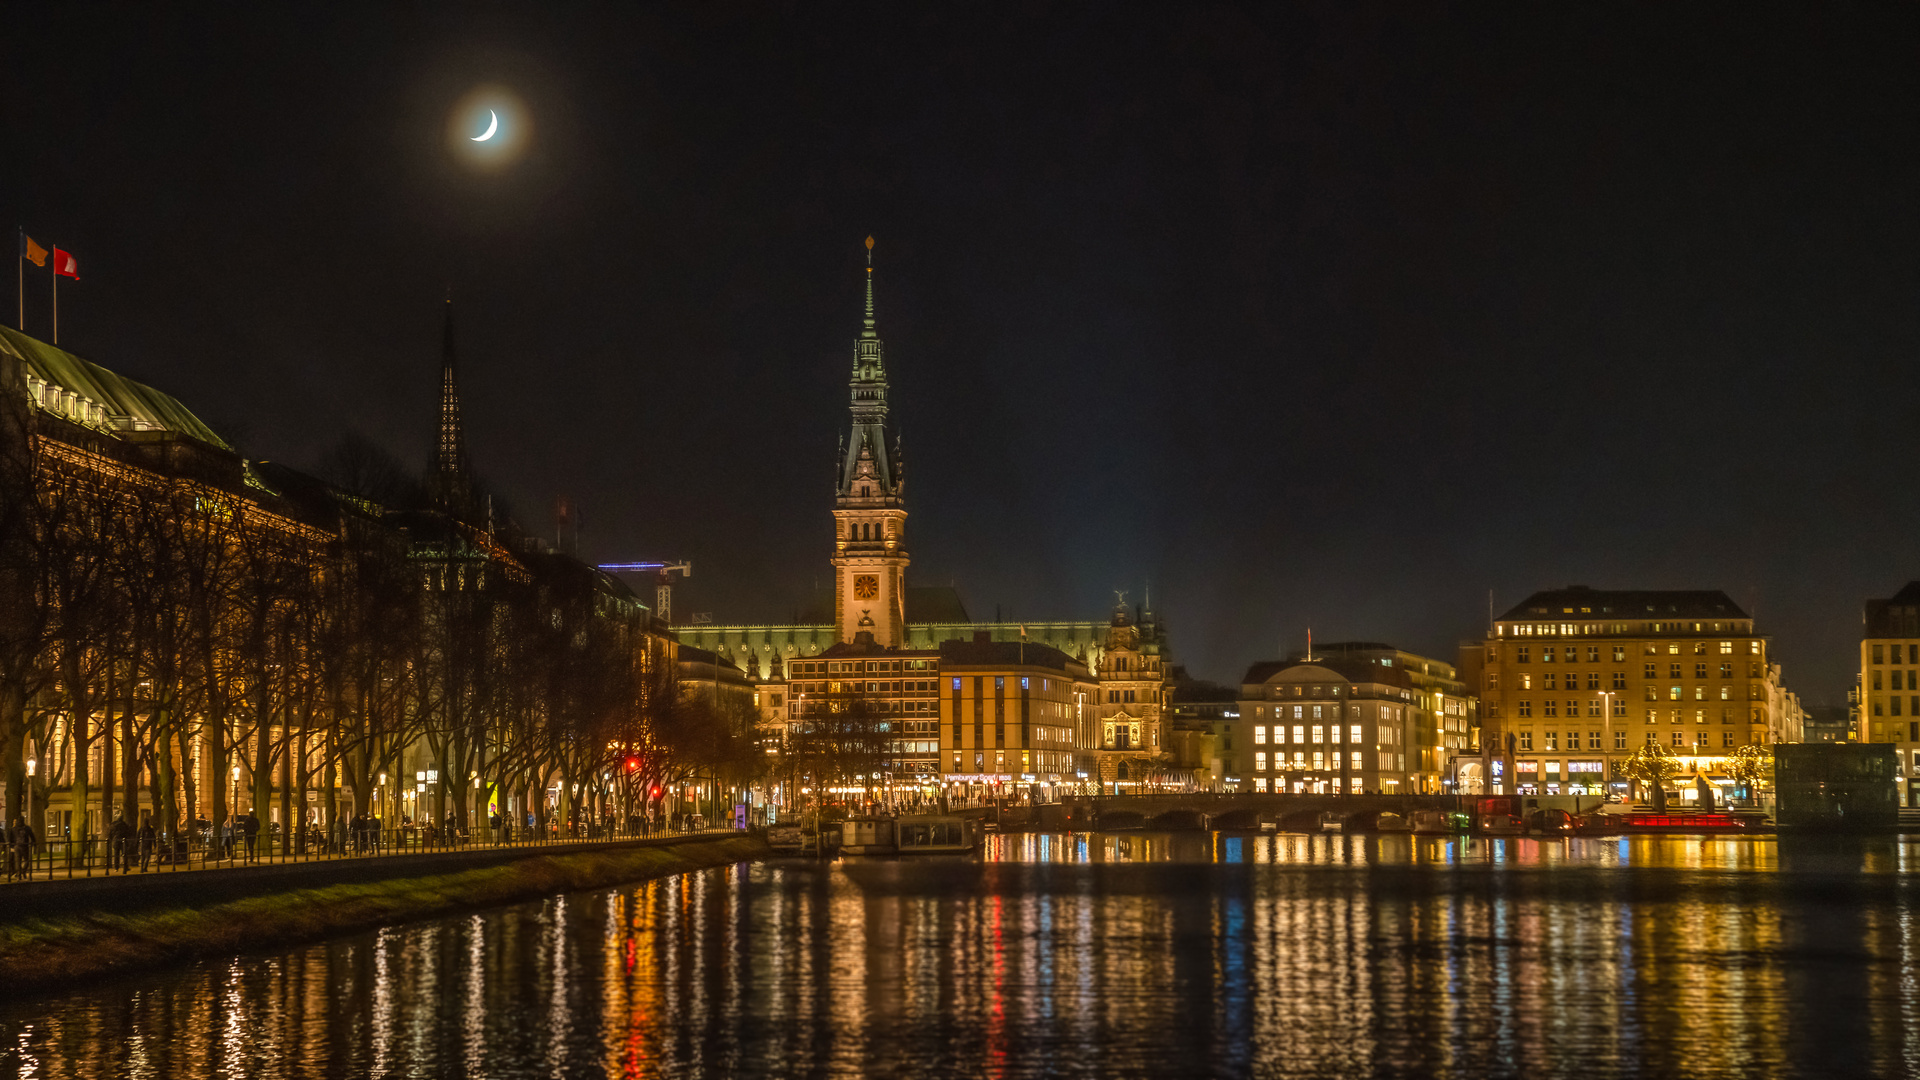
(1568, 683)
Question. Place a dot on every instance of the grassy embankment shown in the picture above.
(42, 953)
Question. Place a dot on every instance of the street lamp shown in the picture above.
(32, 764)
(1606, 752)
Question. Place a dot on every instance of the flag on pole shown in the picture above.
(31, 251)
(65, 264)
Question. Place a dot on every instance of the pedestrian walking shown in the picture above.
(149, 839)
(250, 834)
(119, 844)
(21, 841)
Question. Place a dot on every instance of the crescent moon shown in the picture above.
(493, 125)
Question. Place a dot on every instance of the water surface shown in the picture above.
(1086, 956)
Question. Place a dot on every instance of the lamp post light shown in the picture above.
(32, 764)
(1606, 713)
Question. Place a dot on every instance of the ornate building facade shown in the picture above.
(869, 508)
(872, 610)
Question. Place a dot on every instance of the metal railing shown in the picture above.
(203, 850)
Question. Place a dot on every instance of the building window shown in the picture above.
(1620, 739)
(1546, 654)
(1299, 734)
(1879, 654)
(1653, 671)
(1526, 738)
(1895, 702)
(1553, 740)
(1673, 693)
(1619, 680)
(956, 682)
(1550, 707)
(1726, 739)
(1259, 736)
(1679, 739)
(1319, 734)
(1593, 740)
(1619, 654)
(1260, 761)
(1520, 654)
(1619, 707)
(1525, 709)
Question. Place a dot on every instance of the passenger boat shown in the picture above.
(1501, 825)
(1439, 823)
(936, 834)
(1390, 822)
(867, 836)
(787, 838)
(1550, 822)
(1692, 822)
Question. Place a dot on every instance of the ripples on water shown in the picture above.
(1118, 955)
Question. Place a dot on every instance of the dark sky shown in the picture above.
(1303, 317)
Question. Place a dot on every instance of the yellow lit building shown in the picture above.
(1572, 680)
(1012, 713)
(1890, 680)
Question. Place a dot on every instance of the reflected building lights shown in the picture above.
(1143, 953)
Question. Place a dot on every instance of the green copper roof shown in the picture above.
(129, 405)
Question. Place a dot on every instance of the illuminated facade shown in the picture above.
(1572, 680)
(869, 508)
(1012, 713)
(230, 590)
(1348, 721)
(1889, 707)
(896, 687)
(1131, 738)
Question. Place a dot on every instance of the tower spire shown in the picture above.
(866, 325)
(870, 514)
(451, 481)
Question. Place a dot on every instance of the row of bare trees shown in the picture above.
(201, 648)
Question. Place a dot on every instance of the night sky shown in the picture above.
(1313, 318)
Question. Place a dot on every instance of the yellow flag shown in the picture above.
(31, 251)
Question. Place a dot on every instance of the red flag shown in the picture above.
(65, 264)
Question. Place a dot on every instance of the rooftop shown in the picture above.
(1353, 671)
(101, 399)
(1655, 604)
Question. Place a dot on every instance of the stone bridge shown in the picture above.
(1203, 810)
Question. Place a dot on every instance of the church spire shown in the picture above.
(870, 515)
(870, 456)
(866, 330)
(451, 479)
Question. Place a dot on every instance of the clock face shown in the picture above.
(866, 586)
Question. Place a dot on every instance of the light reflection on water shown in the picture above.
(1142, 954)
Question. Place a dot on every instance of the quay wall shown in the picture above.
(60, 933)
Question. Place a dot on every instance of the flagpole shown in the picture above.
(56, 298)
(20, 276)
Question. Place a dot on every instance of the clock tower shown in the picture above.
(869, 509)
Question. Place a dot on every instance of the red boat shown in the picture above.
(1651, 821)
